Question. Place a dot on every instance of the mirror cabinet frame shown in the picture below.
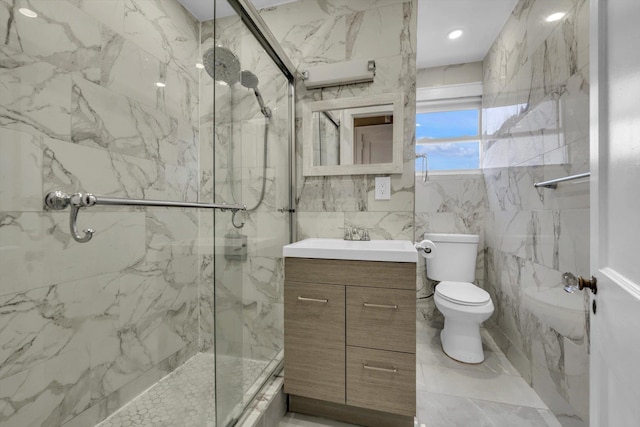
(396, 166)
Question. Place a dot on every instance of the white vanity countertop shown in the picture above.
(372, 250)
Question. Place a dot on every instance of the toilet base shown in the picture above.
(462, 341)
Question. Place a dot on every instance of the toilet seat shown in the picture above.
(462, 293)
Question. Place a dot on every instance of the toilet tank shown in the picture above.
(455, 257)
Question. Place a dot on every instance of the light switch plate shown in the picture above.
(383, 188)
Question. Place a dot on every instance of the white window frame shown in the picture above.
(451, 98)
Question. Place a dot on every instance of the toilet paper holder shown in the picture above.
(425, 248)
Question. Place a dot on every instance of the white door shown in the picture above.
(615, 212)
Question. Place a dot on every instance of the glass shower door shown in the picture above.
(249, 132)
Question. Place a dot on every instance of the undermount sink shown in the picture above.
(372, 250)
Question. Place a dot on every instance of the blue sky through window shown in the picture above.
(449, 125)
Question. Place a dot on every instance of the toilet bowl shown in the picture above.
(464, 305)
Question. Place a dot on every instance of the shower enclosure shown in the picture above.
(167, 315)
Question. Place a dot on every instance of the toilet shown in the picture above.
(464, 306)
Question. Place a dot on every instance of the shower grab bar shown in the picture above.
(553, 183)
(59, 200)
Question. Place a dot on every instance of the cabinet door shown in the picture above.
(314, 341)
(381, 318)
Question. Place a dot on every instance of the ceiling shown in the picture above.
(481, 21)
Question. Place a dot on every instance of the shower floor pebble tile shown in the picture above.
(184, 398)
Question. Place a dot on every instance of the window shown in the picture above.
(449, 137)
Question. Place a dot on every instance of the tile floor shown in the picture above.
(451, 394)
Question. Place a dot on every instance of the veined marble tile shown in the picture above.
(157, 318)
(513, 232)
(513, 353)
(320, 224)
(573, 242)
(333, 194)
(383, 225)
(441, 410)
(582, 23)
(495, 154)
(549, 378)
(502, 388)
(77, 168)
(264, 279)
(366, 35)
(36, 96)
(180, 97)
(38, 250)
(461, 194)
(537, 29)
(206, 147)
(253, 179)
(574, 109)
(115, 123)
(573, 194)
(51, 39)
(108, 12)
(47, 394)
(165, 29)
(73, 167)
(448, 222)
(309, 34)
(129, 70)
(512, 188)
(402, 191)
(20, 171)
(272, 232)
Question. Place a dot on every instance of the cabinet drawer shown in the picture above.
(381, 380)
(314, 341)
(381, 318)
(398, 275)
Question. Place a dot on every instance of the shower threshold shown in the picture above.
(186, 397)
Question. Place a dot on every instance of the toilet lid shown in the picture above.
(462, 293)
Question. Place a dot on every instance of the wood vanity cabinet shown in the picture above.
(349, 340)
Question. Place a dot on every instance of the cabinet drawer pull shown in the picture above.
(376, 368)
(367, 304)
(324, 301)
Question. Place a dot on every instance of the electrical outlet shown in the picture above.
(383, 188)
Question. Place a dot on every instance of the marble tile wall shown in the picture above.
(314, 32)
(86, 327)
(535, 117)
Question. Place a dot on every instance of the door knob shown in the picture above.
(586, 283)
(572, 283)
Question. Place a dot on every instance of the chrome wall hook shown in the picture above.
(233, 220)
(73, 226)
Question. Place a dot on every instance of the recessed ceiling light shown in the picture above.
(555, 16)
(28, 12)
(199, 65)
(454, 34)
(160, 84)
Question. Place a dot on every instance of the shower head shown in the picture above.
(222, 65)
(250, 81)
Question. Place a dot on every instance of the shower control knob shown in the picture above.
(591, 284)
